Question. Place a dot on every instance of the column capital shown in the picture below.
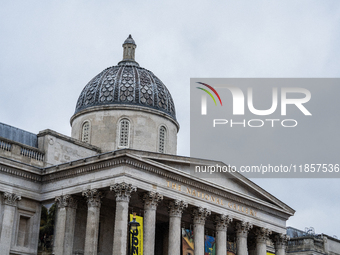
(11, 198)
(176, 208)
(93, 197)
(222, 222)
(151, 200)
(66, 201)
(262, 235)
(123, 191)
(242, 228)
(281, 241)
(200, 214)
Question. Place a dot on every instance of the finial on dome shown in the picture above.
(129, 40)
(129, 49)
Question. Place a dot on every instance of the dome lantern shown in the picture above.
(129, 47)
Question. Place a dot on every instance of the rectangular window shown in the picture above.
(23, 231)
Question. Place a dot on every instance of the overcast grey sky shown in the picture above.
(49, 50)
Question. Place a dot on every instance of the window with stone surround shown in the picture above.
(85, 135)
(162, 138)
(124, 133)
(23, 231)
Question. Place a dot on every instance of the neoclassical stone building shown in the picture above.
(121, 158)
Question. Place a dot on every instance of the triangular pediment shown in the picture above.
(235, 184)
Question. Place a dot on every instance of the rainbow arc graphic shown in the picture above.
(209, 93)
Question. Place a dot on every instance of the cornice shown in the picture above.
(21, 173)
(133, 161)
(109, 160)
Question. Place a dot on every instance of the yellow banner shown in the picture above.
(136, 237)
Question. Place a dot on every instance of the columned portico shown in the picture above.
(123, 193)
(10, 203)
(151, 200)
(176, 208)
(94, 198)
(262, 235)
(242, 229)
(281, 244)
(65, 224)
(221, 223)
(199, 216)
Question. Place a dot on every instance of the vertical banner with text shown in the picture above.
(136, 237)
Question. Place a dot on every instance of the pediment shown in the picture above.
(235, 184)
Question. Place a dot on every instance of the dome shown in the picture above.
(127, 84)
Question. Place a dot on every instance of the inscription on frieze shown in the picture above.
(211, 198)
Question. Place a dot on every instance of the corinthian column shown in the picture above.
(94, 198)
(199, 215)
(123, 193)
(281, 244)
(65, 224)
(242, 229)
(176, 208)
(151, 200)
(221, 223)
(10, 203)
(262, 235)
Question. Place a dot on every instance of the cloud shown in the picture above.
(49, 51)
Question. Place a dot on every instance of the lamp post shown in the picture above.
(133, 225)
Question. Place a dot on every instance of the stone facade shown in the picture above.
(144, 128)
(96, 184)
(309, 243)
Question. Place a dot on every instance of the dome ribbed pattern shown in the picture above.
(127, 84)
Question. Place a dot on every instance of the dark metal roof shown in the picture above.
(130, 40)
(18, 135)
(127, 84)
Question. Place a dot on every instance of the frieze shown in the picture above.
(21, 173)
(203, 195)
(236, 200)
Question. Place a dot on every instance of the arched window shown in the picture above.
(85, 134)
(124, 133)
(162, 138)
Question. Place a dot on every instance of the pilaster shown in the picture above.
(10, 203)
(65, 224)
